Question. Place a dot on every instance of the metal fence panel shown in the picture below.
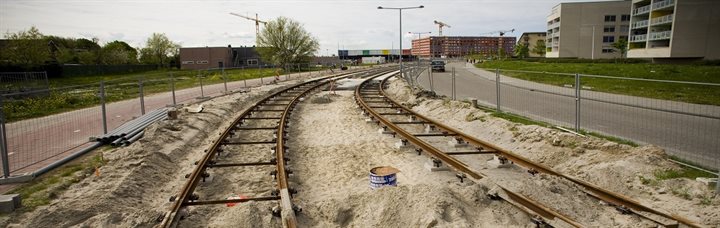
(687, 131)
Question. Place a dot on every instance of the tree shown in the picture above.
(118, 52)
(621, 46)
(520, 50)
(159, 50)
(283, 41)
(26, 48)
(540, 47)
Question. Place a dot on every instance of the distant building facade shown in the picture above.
(587, 29)
(457, 46)
(530, 40)
(390, 55)
(669, 29)
(197, 58)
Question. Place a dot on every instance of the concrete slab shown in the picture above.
(10, 202)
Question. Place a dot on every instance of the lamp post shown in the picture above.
(400, 9)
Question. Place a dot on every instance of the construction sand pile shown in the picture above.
(332, 152)
(619, 168)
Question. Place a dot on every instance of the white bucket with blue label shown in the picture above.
(382, 176)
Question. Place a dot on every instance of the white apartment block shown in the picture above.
(587, 30)
(671, 29)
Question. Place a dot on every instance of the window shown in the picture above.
(609, 29)
(202, 62)
(625, 17)
(188, 62)
(608, 50)
(609, 18)
(608, 39)
(252, 62)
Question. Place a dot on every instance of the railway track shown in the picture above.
(402, 122)
(269, 115)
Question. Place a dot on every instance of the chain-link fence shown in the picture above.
(38, 127)
(17, 82)
(645, 111)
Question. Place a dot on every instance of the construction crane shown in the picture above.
(419, 33)
(440, 26)
(500, 39)
(501, 32)
(256, 20)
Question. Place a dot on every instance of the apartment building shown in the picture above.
(675, 29)
(456, 46)
(530, 40)
(587, 29)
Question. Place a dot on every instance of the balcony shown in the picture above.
(663, 4)
(641, 10)
(664, 35)
(638, 38)
(555, 43)
(662, 20)
(640, 24)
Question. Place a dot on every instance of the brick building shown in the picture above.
(457, 46)
(197, 58)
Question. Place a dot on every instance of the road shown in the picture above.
(689, 131)
(34, 143)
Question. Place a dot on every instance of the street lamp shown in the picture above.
(401, 34)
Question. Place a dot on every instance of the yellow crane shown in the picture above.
(256, 20)
(440, 26)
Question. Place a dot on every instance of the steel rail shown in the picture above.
(171, 217)
(591, 189)
(528, 206)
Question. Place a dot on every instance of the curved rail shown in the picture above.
(621, 202)
(283, 193)
(366, 91)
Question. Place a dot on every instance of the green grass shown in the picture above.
(527, 121)
(610, 138)
(117, 87)
(518, 119)
(699, 94)
(684, 172)
(42, 190)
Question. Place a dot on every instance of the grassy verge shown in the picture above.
(527, 121)
(699, 94)
(610, 138)
(117, 88)
(43, 189)
(519, 119)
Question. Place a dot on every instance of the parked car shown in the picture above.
(437, 65)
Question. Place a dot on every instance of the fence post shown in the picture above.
(202, 91)
(142, 97)
(430, 79)
(3, 141)
(172, 87)
(577, 102)
(454, 97)
(224, 77)
(497, 90)
(102, 105)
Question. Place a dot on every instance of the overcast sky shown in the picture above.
(351, 24)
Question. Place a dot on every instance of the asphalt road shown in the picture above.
(37, 142)
(689, 131)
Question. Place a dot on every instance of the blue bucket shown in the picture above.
(382, 179)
